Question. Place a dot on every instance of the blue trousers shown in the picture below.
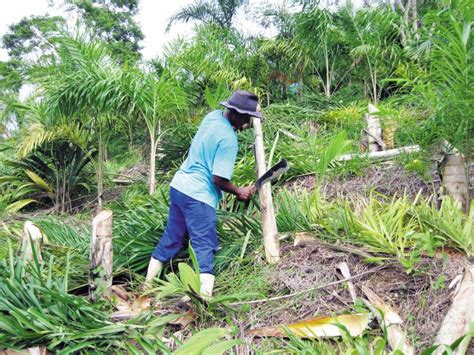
(199, 221)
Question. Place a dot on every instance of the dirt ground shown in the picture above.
(389, 180)
(421, 298)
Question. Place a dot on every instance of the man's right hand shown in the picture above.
(246, 192)
(243, 193)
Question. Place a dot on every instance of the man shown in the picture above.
(197, 186)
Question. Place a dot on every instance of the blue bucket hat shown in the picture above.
(243, 102)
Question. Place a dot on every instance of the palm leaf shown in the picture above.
(39, 181)
(18, 205)
(201, 340)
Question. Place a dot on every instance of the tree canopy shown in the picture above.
(113, 21)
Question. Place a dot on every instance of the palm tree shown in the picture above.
(322, 33)
(88, 86)
(220, 12)
(84, 87)
(154, 100)
(53, 159)
(215, 56)
(374, 38)
(444, 85)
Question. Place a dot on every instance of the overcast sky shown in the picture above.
(153, 17)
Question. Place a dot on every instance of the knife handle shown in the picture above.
(247, 203)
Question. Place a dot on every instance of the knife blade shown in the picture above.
(275, 171)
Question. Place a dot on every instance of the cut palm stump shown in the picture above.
(460, 315)
(374, 130)
(270, 232)
(101, 255)
(32, 239)
(455, 178)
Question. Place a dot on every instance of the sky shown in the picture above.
(153, 17)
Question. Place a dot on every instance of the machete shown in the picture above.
(274, 172)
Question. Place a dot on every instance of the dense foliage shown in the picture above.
(103, 128)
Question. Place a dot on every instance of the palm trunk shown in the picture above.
(154, 141)
(152, 178)
(100, 170)
(328, 78)
(374, 88)
(101, 255)
(405, 26)
(374, 130)
(455, 175)
(63, 199)
(57, 202)
(414, 17)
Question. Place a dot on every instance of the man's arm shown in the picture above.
(242, 193)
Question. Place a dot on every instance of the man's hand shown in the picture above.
(245, 193)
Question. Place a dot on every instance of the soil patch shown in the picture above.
(389, 180)
(421, 298)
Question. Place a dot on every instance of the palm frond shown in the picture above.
(201, 10)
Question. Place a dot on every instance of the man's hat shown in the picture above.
(243, 102)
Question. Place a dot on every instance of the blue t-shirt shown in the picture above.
(213, 152)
